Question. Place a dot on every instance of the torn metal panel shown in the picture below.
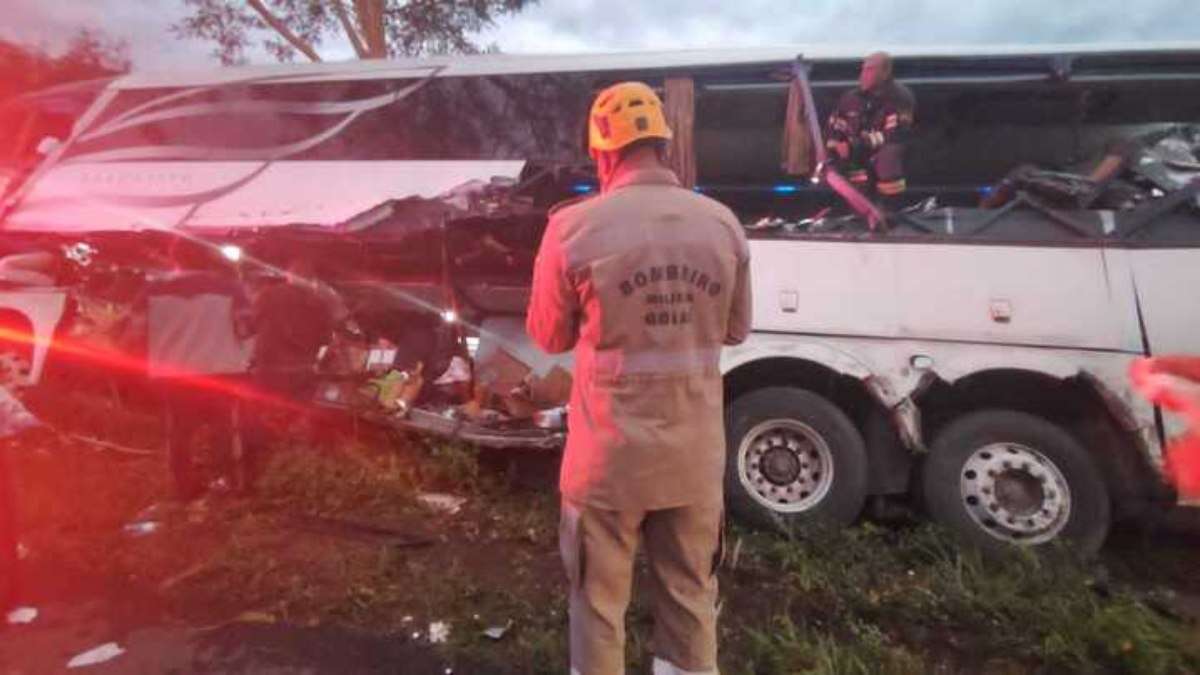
(454, 427)
(507, 334)
(44, 309)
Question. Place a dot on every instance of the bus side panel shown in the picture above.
(1168, 286)
(838, 288)
(156, 195)
(1020, 295)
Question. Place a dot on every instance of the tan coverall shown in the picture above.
(646, 282)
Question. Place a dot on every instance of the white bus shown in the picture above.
(973, 359)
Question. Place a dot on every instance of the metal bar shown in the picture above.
(1067, 223)
(1143, 215)
(800, 73)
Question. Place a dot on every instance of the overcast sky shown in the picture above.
(612, 25)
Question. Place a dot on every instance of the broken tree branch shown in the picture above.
(339, 8)
(280, 27)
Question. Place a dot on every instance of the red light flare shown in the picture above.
(116, 361)
(1171, 382)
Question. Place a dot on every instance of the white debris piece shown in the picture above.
(105, 652)
(439, 632)
(141, 529)
(497, 632)
(443, 503)
(458, 371)
(22, 615)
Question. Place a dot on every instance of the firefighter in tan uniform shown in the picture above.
(646, 282)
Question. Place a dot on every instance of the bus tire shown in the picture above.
(793, 460)
(998, 478)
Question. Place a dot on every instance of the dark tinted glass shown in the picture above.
(500, 117)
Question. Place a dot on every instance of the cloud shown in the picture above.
(611, 25)
(672, 24)
(142, 24)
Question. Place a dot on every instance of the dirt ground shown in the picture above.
(342, 563)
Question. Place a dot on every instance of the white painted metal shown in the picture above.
(1168, 287)
(44, 309)
(1053, 297)
(159, 195)
(888, 363)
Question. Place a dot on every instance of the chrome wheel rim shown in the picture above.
(1015, 493)
(785, 465)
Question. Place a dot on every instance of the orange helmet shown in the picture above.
(624, 113)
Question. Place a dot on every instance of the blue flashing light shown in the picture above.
(986, 190)
(785, 189)
(582, 188)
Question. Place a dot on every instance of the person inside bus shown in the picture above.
(867, 131)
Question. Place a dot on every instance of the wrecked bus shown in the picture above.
(971, 359)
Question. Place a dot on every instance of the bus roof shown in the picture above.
(513, 64)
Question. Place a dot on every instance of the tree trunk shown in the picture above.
(371, 26)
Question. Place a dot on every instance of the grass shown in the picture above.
(888, 597)
(866, 600)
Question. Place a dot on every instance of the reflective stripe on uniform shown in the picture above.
(662, 667)
(894, 187)
(858, 176)
(614, 363)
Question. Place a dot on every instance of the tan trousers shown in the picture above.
(683, 548)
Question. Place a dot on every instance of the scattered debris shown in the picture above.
(197, 511)
(458, 371)
(442, 503)
(497, 632)
(142, 528)
(111, 447)
(360, 530)
(736, 556)
(192, 571)
(255, 617)
(150, 512)
(439, 632)
(22, 615)
(105, 652)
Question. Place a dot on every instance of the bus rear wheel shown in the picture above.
(999, 478)
(793, 459)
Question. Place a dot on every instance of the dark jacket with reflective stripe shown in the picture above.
(870, 120)
(646, 282)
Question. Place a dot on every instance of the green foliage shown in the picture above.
(865, 600)
(88, 55)
(374, 28)
(1049, 609)
(783, 648)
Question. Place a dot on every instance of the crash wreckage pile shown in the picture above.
(432, 337)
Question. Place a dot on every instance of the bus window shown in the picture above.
(497, 117)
